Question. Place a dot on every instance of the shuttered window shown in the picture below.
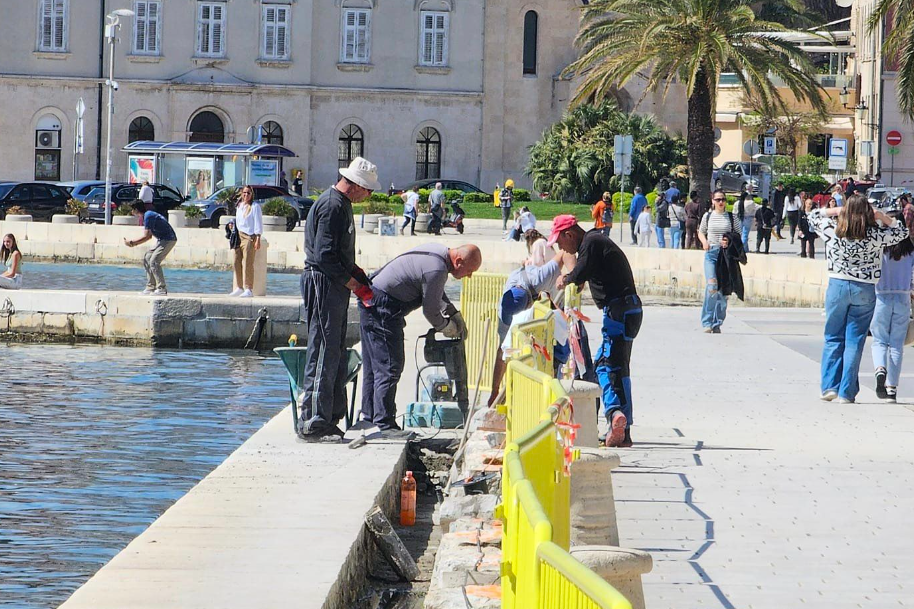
(146, 27)
(433, 39)
(52, 25)
(355, 39)
(275, 26)
(211, 29)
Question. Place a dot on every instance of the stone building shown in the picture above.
(425, 88)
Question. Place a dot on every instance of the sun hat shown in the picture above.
(563, 222)
(363, 173)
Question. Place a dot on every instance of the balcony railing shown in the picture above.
(829, 81)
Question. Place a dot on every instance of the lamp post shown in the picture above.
(112, 23)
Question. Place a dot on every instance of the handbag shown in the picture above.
(909, 335)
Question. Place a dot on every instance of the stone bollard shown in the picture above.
(422, 222)
(176, 218)
(260, 269)
(18, 218)
(64, 219)
(593, 509)
(585, 397)
(622, 568)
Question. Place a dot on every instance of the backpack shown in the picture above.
(663, 211)
(607, 216)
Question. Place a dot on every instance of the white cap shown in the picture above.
(363, 173)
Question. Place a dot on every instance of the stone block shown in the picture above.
(66, 251)
(224, 307)
(172, 306)
(91, 326)
(125, 304)
(469, 506)
(35, 231)
(57, 323)
(452, 598)
(125, 326)
(37, 249)
(26, 323)
(593, 510)
(620, 567)
(489, 419)
(460, 562)
(284, 312)
(85, 251)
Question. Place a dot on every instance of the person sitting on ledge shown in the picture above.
(11, 257)
(156, 226)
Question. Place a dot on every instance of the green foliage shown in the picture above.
(813, 184)
(574, 158)
(781, 164)
(521, 195)
(453, 195)
(124, 209)
(277, 206)
(423, 195)
(378, 206)
(75, 207)
(811, 164)
(192, 211)
(478, 197)
(379, 197)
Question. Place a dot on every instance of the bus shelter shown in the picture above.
(197, 169)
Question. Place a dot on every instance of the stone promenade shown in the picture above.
(747, 490)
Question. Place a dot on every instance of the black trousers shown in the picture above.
(808, 247)
(383, 358)
(325, 310)
(793, 217)
(632, 222)
(763, 234)
(406, 221)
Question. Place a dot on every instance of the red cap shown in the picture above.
(563, 222)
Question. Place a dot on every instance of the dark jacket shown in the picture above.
(765, 217)
(729, 275)
(330, 236)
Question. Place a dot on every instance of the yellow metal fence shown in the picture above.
(479, 298)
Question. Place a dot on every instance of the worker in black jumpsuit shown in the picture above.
(612, 286)
(411, 280)
(330, 275)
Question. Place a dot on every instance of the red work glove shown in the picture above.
(359, 275)
(364, 293)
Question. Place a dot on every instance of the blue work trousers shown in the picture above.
(621, 324)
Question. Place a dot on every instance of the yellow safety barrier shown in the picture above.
(535, 338)
(564, 583)
(528, 395)
(479, 298)
(572, 297)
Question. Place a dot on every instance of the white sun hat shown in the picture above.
(363, 173)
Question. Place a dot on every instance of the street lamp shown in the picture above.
(112, 23)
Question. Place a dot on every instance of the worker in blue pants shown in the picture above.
(603, 264)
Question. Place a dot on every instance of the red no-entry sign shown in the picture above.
(893, 138)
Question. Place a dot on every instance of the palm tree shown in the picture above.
(899, 43)
(692, 42)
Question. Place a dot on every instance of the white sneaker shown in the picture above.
(829, 395)
(160, 293)
(147, 292)
(236, 292)
(247, 294)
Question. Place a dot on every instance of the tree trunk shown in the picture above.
(700, 138)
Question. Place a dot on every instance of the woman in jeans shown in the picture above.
(745, 211)
(854, 242)
(249, 224)
(712, 233)
(892, 315)
(677, 223)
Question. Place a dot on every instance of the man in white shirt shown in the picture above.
(147, 194)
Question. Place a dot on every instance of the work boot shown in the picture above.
(616, 435)
(397, 434)
(627, 442)
(881, 392)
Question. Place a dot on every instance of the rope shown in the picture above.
(8, 310)
(257, 331)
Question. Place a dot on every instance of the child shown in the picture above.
(764, 220)
(643, 227)
(892, 315)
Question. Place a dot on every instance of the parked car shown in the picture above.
(80, 188)
(821, 199)
(214, 209)
(737, 176)
(886, 197)
(463, 187)
(165, 199)
(40, 200)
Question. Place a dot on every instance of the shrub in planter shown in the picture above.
(277, 206)
(452, 195)
(191, 211)
(521, 195)
(810, 183)
(15, 210)
(376, 206)
(75, 207)
(228, 197)
(478, 197)
(124, 209)
(423, 195)
(379, 197)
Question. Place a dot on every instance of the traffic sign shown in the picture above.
(716, 150)
(837, 163)
(771, 145)
(750, 147)
(893, 138)
(837, 147)
(717, 134)
(893, 150)
(622, 154)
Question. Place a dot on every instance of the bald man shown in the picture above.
(411, 280)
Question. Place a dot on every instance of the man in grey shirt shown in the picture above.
(436, 208)
(412, 279)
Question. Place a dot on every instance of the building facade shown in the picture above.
(424, 88)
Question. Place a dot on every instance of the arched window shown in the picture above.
(272, 133)
(352, 144)
(428, 154)
(531, 23)
(141, 129)
(207, 127)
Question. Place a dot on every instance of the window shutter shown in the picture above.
(139, 27)
(269, 29)
(363, 40)
(217, 29)
(152, 27)
(60, 41)
(282, 23)
(47, 19)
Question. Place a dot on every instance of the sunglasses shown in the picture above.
(719, 199)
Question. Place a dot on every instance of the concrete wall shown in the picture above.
(770, 281)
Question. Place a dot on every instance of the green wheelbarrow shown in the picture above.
(295, 359)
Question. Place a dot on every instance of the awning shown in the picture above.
(839, 123)
(208, 148)
(725, 117)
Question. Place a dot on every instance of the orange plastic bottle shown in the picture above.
(408, 500)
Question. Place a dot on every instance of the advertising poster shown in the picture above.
(263, 172)
(199, 183)
(140, 168)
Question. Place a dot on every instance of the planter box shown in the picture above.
(176, 218)
(371, 222)
(124, 221)
(18, 218)
(64, 219)
(422, 222)
(274, 223)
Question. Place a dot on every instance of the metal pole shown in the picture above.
(621, 203)
(892, 172)
(76, 150)
(110, 83)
